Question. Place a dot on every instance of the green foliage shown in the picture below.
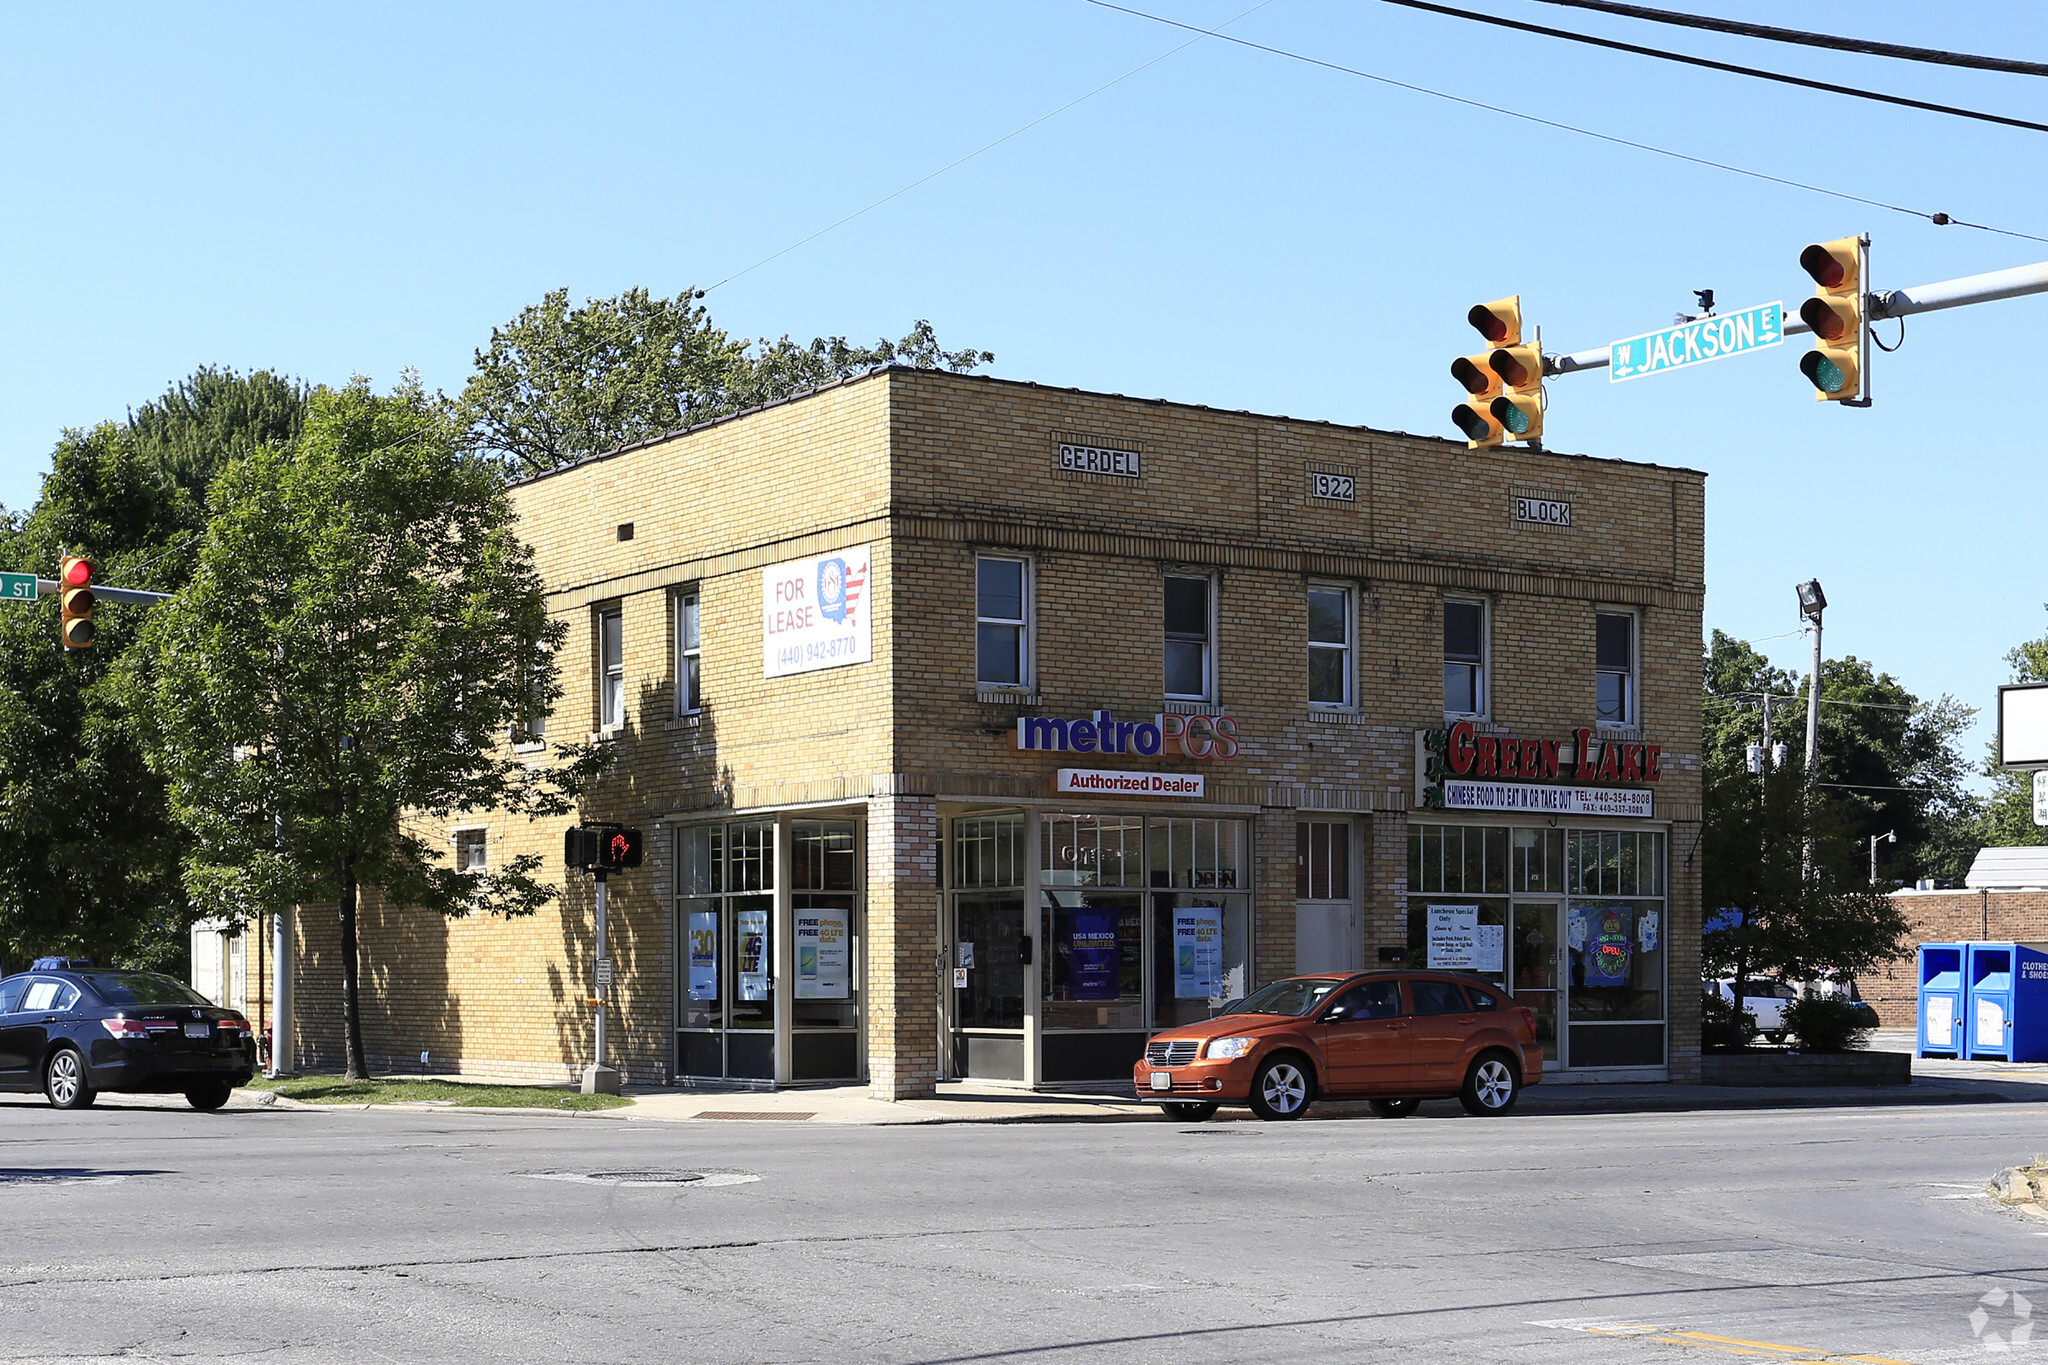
(1723, 1028)
(1789, 859)
(89, 853)
(1889, 762)
(559, 383)
(360, 633)
(1826, 1024)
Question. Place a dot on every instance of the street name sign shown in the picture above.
(1696, 342)
(18, 587)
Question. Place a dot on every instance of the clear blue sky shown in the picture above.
(363, 189)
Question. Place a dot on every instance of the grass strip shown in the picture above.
(400, 1090)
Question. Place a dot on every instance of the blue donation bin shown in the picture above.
(2008, 1004)
(1942, 996)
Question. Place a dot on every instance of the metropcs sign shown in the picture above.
(1101, 733)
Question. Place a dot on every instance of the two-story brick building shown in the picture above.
(979, 728)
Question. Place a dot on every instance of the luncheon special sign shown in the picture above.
(814, 613)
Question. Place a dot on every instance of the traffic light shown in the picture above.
(1835, 366)
(1474, 416)
(1505, 384)
(74, 586)
(580, 847)
(621, 848)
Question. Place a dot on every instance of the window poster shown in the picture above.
(823, 954)
(1604, 939)
(1491, 950)
(1198, 952)
(1454, 937)
(751, 948)
(703, 954)
(1646, 930)
(1091, 960)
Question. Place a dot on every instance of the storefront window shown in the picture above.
(1464, 858)
(1607, 862)
(1092, 850)
(1197, 853)
(822, 881)
(1093, 971)
(1617, 958)
(1199, 943)
(988, 850)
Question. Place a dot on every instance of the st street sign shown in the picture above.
(1695, 342)
(17, 587)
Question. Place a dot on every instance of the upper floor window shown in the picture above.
(1614, 662)
(1329, 646)
(1464, 658)
(611, 668)
(1002, 629)
(689, 675)
(1188, 645)
(471, 850)
(532, 725)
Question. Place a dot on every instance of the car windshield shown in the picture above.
(144, 988)
(1285, 997)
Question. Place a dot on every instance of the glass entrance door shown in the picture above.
(989, 950)
(725, 1024)
(1534, 951)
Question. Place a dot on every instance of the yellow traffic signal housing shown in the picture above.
(1474, 417)
(74, 584)
(1835, 365)
(1519, 408)
(1500, 322)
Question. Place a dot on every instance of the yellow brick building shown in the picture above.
(978, 728)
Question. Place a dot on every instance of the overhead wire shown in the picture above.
(1932, 217)
(1865, 46)
(1734, 68)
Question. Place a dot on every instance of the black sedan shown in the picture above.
(71, 1031)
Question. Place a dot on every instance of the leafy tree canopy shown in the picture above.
(361, 631)
(89, 854)
(558, 383)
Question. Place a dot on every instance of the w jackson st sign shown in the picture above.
(1461, 769)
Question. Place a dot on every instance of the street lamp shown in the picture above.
(1812, 602)
(1889, 838)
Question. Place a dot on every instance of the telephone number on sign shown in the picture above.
(1335, 487)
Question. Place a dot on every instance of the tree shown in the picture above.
(2009, 814)
(559, 383)
(89, 853)
(1888, 760)
(360, 633)
(1784, 883)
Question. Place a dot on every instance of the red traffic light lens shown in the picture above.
(77, 573)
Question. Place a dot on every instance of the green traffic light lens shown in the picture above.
(1515, 420)
(1825, 374)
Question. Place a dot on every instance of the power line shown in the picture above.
(1855, 92)
(1937, 218)
(1800, 36)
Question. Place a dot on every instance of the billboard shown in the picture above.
(2023, 725)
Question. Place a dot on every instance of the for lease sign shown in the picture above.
(814, 613)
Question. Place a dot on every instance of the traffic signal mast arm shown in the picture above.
(1894, 303)
(134, 596)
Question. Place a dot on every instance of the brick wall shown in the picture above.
(926, 469)
(1948, 917)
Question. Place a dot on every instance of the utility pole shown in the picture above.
(1812, 602)
(599, 1079)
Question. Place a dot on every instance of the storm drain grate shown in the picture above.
(756, 1114)
(647, 1179)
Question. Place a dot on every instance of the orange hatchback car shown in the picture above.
(1395, 1038)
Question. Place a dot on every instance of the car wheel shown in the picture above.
(1190, 1112)
(64, 1080)
(1491, 1086)
(1282, 1089)
(1395, 1109)
(1775, 1035)
(209, 1096)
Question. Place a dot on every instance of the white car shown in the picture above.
(1765, 1001)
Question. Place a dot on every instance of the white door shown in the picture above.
(1329, 936)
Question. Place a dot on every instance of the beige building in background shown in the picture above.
(979, 728)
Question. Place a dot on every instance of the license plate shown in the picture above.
(198, 1030)
(1162, 1080)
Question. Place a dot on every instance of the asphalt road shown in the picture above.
(141, 1232)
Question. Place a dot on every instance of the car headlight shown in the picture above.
(1223, 1049)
